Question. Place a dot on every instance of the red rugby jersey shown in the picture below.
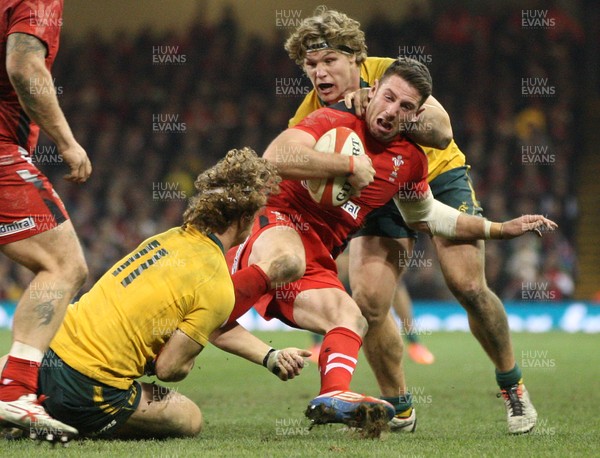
(43, 20)
(400, 166)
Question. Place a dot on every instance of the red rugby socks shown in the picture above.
(250, 284)
(19, 377)
(337, 360)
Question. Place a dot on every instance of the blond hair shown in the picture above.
(236, 187)
(335, 28)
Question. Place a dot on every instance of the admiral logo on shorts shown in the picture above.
(17, 226)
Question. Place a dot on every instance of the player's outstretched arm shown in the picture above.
(518, 226)
(26, 69)
(234, 338)
(293, 154)
(469, 227)
(435, 218)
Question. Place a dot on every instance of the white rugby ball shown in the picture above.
(335, 191)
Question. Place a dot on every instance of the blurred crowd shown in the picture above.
(512, 87)
(154, 110)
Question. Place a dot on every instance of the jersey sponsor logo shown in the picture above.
(344, 192)
(356, 146)
(351, 208)
(17, 226)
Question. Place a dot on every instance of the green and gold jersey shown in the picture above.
(174, 280)
(370, 70)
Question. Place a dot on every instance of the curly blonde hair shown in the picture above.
(335, 28)
(236, 187)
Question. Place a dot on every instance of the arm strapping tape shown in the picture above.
(440, 218)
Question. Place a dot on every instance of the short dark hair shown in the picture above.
(413, 72)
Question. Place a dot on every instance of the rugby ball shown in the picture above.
(336, 191)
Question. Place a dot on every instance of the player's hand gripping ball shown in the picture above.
(335, 191)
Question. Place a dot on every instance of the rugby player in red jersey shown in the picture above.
(35, 230)
(286, 268)
(330, 48)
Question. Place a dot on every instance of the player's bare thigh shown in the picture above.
(280, 252)
(320, 310)
(374, 269)
(462, 263)
(162, 412)
(54, 249)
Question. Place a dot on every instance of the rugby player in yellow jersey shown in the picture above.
(330, 48)
(153, 312)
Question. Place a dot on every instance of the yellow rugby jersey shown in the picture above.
(370, 70)
(174, 280)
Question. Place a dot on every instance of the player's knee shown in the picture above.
(189, 421)
(363, 325)
(346, 317)
(286, 268)
(371, 302)
(75, 271)
(195, 422)
(72, 271)
(469, 292)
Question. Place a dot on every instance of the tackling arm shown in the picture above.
(435, 218)
(433, 128)
(176, 360)
(234, 338)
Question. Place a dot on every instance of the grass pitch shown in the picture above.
(250, 413)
